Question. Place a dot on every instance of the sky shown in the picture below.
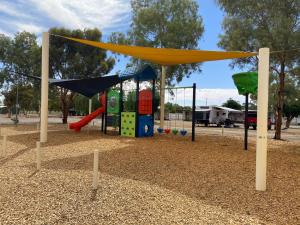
(214, 83)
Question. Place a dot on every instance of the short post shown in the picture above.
(96, 168)
(222, 130)
(38, 155)
(4, 145)
(38, 126)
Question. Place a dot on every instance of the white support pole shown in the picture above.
(90, 106)
(38, 155)
(44, 87)
(96, 168)
(162, 95)
(4, 145)
(262, 119)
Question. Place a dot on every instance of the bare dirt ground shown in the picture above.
(161, 180)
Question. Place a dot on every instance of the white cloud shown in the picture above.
(38, 15)
(82, 14)
(29, 27)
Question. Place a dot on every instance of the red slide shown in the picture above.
(85, 120)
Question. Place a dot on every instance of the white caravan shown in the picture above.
(218, 115)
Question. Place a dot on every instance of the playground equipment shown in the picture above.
(137, 122)
(167, 57)
(246, 84)
(85, 120)
(181, 131)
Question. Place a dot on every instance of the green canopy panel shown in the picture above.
(246, 83)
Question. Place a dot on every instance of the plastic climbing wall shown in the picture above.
(128, 124)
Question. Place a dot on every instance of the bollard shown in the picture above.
(38, 155)
(96, 168)
(4, 145)
(38, 126)
(222, 130)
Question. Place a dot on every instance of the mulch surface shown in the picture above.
(166, 179)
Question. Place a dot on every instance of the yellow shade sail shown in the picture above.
(166, 56)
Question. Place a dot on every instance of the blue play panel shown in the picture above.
(145, 126)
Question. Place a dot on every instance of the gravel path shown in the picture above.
(160, 180)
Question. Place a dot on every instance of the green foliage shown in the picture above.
(175, 108)
(291, 106)
(81, 104)
(69, 59)
(230, 103)
(167, 24)
(18, 56)
(250, 25)
(26, 98)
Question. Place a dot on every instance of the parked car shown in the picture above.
(252, 120)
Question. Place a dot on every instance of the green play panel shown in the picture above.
(113, 101)
(128, 124)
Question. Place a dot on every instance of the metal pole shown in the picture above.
(105, 114)
(162, 96)
(44, 87)
(102, 122)
(246, 122)
(262, 119)
(194, 113)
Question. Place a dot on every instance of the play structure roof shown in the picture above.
(166, 56)
(91, 86)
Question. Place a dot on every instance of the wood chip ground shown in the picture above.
(159, 180)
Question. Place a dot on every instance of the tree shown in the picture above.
(25, 98)
(70, 59)
(164, 24)
(291, 106)
(230, 103)
(81, 104)
(250, 25)
(18, 56)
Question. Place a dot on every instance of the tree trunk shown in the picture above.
(288, 121)
(65, 111)
(279, 107)
(65, 103)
